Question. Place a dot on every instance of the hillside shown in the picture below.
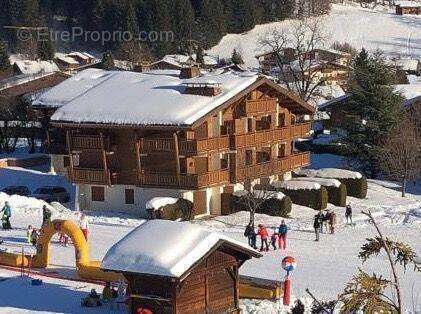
(372, 29)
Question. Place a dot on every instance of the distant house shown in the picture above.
(192, 270)
(74, 61)
(408, 65)
(269, 60)
(172, 62)
(82, 57)
(408, 7)
(30, 67)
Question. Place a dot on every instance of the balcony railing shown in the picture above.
(260, 138)
(184, 181)
(300, 129)
(91, 176)
(272, 167)
(89, 142)
(186, 147)
(260, 106)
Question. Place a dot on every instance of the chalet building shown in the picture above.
(405, 65)
(269, 60)
(201, 275)
(329, 55)
(74, 61)
(172, 62)
(126, 137)
(408, 7)
(31, 67)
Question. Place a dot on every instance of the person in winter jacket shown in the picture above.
(46, 215)
(263, 233)
(348, 214)
(274, 239)
(84, 225)
(251, 235)
(282, 234)
(7, 213)
(332, 222)
(29, 234)
(317, 223)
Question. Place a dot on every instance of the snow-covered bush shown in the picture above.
(180, 209)
(336, 190)
(356, 187)
(310, 194)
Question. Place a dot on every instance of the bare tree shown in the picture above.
(299, 70)
(400, 154)
(367, 292)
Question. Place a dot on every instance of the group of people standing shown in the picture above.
(278, 238)
(327, 221)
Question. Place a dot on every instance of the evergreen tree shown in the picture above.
(213, 21)
(107, 62)
(236, 57)
(130, 19)
(244, 15)
(183, 24)
(97, 16)
(4, 58)
(373, 109)
(45, 49)
(199, 55)
(13, 12)
(30, 12)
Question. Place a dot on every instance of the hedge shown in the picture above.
(182, 209)
(337, 195)
(316, 198)
(356, 187)
(271, 206)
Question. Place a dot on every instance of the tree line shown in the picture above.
(193, 22)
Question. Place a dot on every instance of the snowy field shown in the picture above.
(324, 267)
(372, 29)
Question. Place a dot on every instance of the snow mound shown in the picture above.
(329, 173)
(158, 202)
(321, 181)
(297, 185)
(261, 194)
(181, 245)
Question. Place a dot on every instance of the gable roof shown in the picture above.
(181, 246)
(151, 98)
(35, 67)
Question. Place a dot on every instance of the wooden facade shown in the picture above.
(210, 286)
(414, 9)
(251, 138)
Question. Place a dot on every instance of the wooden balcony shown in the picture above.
(91, 176)
(186, 147)
(260, 106)
(259, 138)
(272, 167)
(300, 129)
(93, 142)
(184, 181)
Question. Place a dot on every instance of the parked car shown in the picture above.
(16, 190)
(52, 194)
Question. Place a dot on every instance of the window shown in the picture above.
(129, 195)
(249, 157)
(97, 193)
(66, 161)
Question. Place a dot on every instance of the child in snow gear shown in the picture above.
(332, 222)
(84, 225)
(263, 233)
(29, 234)
(274, 239)
(107, 293)
(251, 235)
(7, 213)
(63, 239)
(282, 233)
(46, 215)
(92, 300)
(317, 223)
(348, 214)
(325, 222)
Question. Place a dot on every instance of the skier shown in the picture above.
(29, 234)
(274, 239)
(251, 235)
(282, 233)
(316, 225)
(263, 233)
(332, 222)
(348, 214)
(46, 215)
(7, 213)
(84, 225)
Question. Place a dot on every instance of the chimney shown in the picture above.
(189, 72)
(203, 89)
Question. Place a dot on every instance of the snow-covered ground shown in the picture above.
(324, 267)
(372, 29)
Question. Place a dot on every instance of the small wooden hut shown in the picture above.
(174, 267)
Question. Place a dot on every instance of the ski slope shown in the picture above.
(373, 29)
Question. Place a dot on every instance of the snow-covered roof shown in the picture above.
(35, 67)
(296, 185)
(65, 58)
(181, 245)
(121, 97)
(82, 55)
(409, 91)
(158, 202)
(321, 181)
(260, 194)
(408, 4)
(330, 173)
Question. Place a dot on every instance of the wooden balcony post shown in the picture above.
(104, 158)
(69, 148)
(139, 164)
(177, 157)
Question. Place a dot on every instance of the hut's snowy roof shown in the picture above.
(36, 67)
(166, 248)
(296, 185)
(151, 98)
(321, 181)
